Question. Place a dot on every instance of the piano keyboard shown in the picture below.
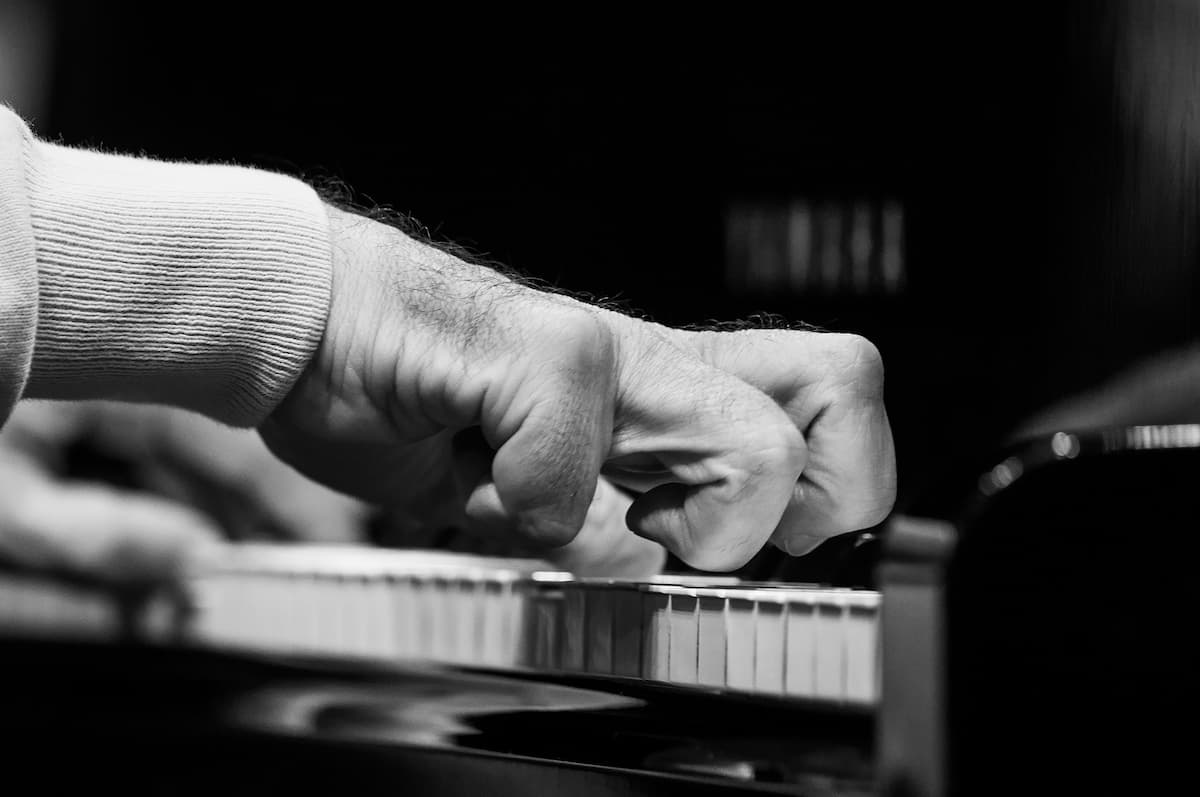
(715, 633)
(705, 631)
(798, 641)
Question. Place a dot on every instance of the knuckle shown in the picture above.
(860, 364)
(864, 513)
(878, 509)
(544, 531)
(798, 544)
(580, 339)
(791, 451)
(780, 448)
(773, 451)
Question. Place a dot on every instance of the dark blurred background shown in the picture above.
(1002, 197)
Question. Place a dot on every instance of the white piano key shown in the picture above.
(437, 615)
(277, 612)
(574, 629)
(517, 636)
(546, 610)
(380, 623)
(684, 638)
(404, 604)
(353, 619)
(466, 623)
(361, 616)
(494, 624)
(862, 649)
(479, 616)
(285, 618)
(266, 607)
(256, 594)
(460, 622)
(830, 680)
(711, 641)
(599, 645)
(628, 631)
(308, 598)
(769, 646)
(421, 616)
(740, 645)
(235, 620)
(801, 649)
(335, 631)
(656, 642)
(329, 627)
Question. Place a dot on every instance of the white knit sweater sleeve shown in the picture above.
(200, 286)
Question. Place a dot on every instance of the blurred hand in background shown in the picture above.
(127, 492)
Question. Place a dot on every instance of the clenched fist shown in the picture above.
(457, 394)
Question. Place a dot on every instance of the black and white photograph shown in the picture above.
(429, 400)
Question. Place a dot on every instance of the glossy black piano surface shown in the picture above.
(143, 719)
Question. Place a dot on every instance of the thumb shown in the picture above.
(605, 547)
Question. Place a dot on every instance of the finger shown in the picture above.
(190, 449)
(553, 434)
(96, 532)
(734, 456)
(605, 547)
(831, 387)
(850, 481)
(473, 474)
(44, 428)
(797, 544)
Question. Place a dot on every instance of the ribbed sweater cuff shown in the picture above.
(200, 286)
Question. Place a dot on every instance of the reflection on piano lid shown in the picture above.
(716, 633)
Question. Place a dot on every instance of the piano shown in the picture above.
(1028, 636)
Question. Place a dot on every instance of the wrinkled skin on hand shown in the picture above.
(718, 442)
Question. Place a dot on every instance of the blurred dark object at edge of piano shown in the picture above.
(1036, 631)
